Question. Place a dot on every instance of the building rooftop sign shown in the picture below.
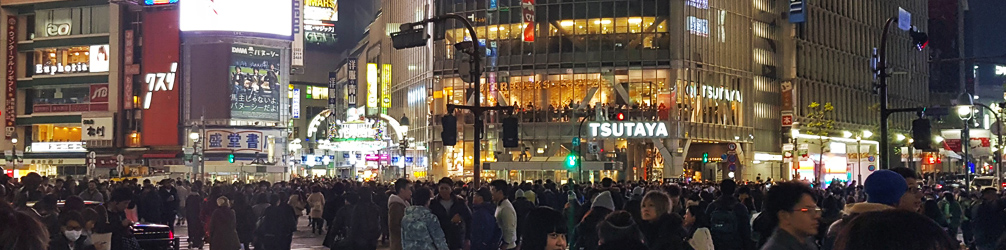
(628, 129)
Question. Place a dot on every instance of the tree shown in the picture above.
(820, 123)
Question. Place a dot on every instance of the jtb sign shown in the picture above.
(629, 129)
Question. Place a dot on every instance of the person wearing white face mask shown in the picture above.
(71, 238)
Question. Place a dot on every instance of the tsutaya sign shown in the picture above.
(628, 129)
(715, 93)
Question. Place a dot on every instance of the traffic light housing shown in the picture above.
(230, 158)
(705, 158)
(450, 133)
(922, 134)
(410, 36)
(571, 159)
(620, 116)
(510, 134)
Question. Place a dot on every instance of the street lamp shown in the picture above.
(865, 134)
(899, 137)
(964, 104)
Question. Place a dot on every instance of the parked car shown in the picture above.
(151, 236)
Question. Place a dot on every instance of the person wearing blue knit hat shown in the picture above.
(883, 188)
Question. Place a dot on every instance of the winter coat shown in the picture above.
(850, 212)
(278, 225)
(332, 207)
(245, 221)
(421, 230)
(485, 233)
(317, 205)
(170, 202)
(782, 240)
(455, 233)
(952, 209)
(396, 210)
(665, 233)
(741, 238)
(223, 230)
(195, 225)
(989, 221)
(585, 234)
(149, 207)
(297, 204)
(622, 245)
(521, 206)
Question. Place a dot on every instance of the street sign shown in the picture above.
(732, 146)
(787, 120)
(732, 166)
(904, 19)
(724, 157)
(92, 155)
(732, 158)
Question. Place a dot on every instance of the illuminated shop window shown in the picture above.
(56, 133)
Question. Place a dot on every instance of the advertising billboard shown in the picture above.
(10, 113)
(271, 18)
(238, 140)
(255, 82)
(98, 58)
(159, 71)
(319, 21)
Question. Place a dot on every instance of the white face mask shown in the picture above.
(72, 235)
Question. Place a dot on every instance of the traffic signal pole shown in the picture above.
(882, 85)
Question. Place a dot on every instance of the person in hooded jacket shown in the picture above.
(661, 228)
(222, 228)
(420, 228)
(521, 205)
(618, 231)
(453, 214)
(485, 233)
(632, 205)
(585, 235)
(731, 227)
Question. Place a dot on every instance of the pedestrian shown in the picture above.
(71, 235)
(396, 209)
(485, 232)
(884, 190)
(244, 220)
(92, 193)
(793, 205)
(697, 224)
(632, 205)
(297, 202)
(118, 224)
(729, 220)
(277, 227)
(585, 235)
(340, 231)
(48, 212)
(196, 229)
(893, 229)
(420, 228)
(521, 206)
(316, 204)
(334, 202)
(989, 220)
(261, 204)
(931, 209)
(661, 228)
(546, 230)
(366, 221)
(506, 216)
(149, 207)
(183, 195)
(912, 199)
(222, 228)
(452, 212)
(619, 231)
(169, 202)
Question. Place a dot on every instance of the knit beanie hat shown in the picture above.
(885, 187)
(518, 194)
(604, 200)
(637, 191)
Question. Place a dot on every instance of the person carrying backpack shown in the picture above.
(729, 220)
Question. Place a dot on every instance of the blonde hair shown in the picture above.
(223, 201)
(660, 200)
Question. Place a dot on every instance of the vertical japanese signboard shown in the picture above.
(255, 82)
(385, 85)
(158, 95)
(372, 83)
(351, 84)
(528, 12)
(10, 113)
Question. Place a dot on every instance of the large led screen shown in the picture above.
(255, 82)
(265, 17)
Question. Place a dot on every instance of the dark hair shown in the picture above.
(48, 202)
(121, 194)
(540, 222)
(673, 190)
(351, 197)
(618, 226)
(421, 196)
(501, 185)
(446, 180)
(487, 196)
(701, 218)
(606, 182)
(906, 173)
(901, 230)
(89, 214)
(73, 203)
(67, 216)
(784, 196)
(401, 184)
(728, 186)
(366, 196)
(261, 198)
(21, 230)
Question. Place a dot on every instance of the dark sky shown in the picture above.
(987, 26)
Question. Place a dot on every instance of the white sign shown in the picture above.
(238, 140)
(98, 58)
(698, 26)
(356, 130)
(57, 29)
(904, 19)
(272, 17)
(295, 104)
(157, 82)
(297, 47)
(56, 147)
(628, 129)
(715, 93)
(62, 69)
(97, 128)
(1000, 70)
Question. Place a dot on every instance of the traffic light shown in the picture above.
(919, 38)
(410, 36)
(705, 158)
(230, 158)
(510, 134)
(922, 133)
(571, 160)
(450, 133)
(620, 116)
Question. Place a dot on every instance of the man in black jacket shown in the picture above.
(730, 226)
(453, 214)
(169, 200)
(521, 205)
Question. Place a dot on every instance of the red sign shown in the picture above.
(787, 120)
(127, 89)
(160, 51)
(127, 51)
(528, 11)
(99, 93)
(11, 113)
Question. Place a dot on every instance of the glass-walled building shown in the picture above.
(681, 65)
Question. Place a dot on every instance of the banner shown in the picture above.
(158, 96)
(298, 35)
(10, 114)
(351, 84)
(528, 11)
(980, 141)
(238, 140)
(255, 82)
(97, 128)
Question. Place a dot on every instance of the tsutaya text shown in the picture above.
(628, 129)
(715, 93)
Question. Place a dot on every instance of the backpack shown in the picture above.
(723, 221)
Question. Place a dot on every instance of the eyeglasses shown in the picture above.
(816, 210)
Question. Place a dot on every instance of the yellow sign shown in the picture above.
(371, 85)
(386, 85)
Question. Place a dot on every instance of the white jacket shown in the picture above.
(701, 240)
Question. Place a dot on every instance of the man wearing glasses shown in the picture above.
(793, 205)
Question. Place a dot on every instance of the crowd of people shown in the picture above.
(891, 209)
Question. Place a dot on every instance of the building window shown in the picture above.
(71, 21)
(56, 133)
(69, 98)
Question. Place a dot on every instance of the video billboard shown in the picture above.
(263, 17)
(255, 82)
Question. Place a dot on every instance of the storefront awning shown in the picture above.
(160, 155)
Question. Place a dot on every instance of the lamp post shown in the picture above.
(965, 112)
(197, 146)
(919, 39)
(999, 134)
(859, 154)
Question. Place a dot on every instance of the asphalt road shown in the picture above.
(303, 239)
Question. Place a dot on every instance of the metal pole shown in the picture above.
(579, 161)
(882, 85)
(999, 134)
(202, 149)
(859, 162)
(966, 144)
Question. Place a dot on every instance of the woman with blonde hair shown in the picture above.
(661, 228)
(223, 232)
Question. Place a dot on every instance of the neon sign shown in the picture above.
(159, 82)
(628, 129)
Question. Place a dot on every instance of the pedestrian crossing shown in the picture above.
(184, 244)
